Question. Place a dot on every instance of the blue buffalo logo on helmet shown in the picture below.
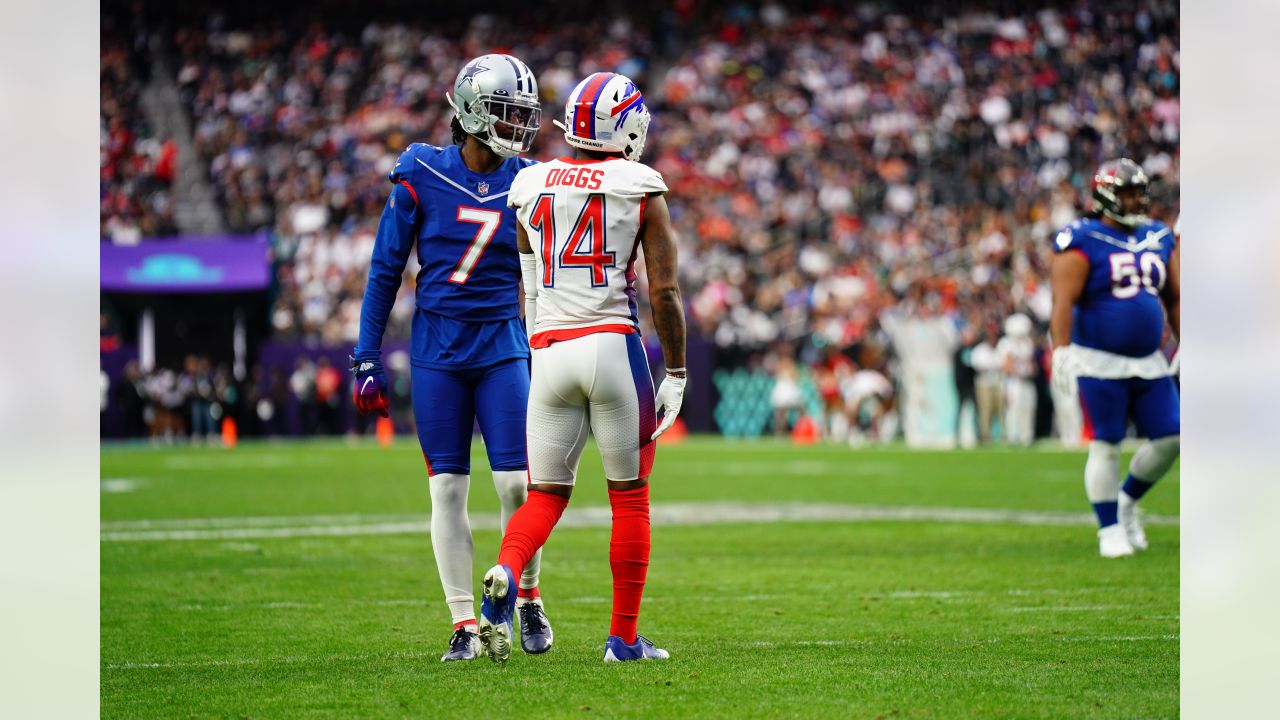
(606, 112)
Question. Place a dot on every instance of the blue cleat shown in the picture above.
(615, 650)
(463, 646)
(535, 629)
(497, 609)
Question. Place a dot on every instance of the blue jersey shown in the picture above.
(1119, 310)
(467, 311)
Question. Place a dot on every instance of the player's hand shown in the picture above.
(670, 398)
(1063, 373)
(370, 390)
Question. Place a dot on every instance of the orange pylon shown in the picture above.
(386, 431)
(805, 431)
(230, 434)
(674, 434)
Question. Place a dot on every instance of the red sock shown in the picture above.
(628, 558)
(531, 593)
(528, 529)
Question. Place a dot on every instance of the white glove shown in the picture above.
(670, 397)
(1064, 370)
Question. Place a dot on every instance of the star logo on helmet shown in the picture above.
(470, 71)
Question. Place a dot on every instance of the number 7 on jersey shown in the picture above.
(488, 220)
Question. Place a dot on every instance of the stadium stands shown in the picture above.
(826, 167)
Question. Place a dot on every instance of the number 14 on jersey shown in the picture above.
(585, 246)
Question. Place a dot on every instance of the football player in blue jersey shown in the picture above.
(469, 350)
(1115, 281)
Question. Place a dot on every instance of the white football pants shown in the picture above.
(598, 382)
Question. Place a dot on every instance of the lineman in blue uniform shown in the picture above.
(470, 353)
(1115, 280)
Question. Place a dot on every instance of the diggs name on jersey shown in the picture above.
(580, 177)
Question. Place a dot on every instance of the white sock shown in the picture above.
(451, 543)
(513, 490)
(1102, 472)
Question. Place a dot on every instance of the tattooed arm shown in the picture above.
(659, 242)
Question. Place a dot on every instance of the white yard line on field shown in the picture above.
(987, 598)
(281, 660)
(1067, 608)
(593, 517)
(762, 644)
(119, 485)
(928, 641)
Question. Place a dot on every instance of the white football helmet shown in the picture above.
(606, 113)
(496, 99)
(1017, 325)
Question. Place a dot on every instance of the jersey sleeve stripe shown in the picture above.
(409, 187)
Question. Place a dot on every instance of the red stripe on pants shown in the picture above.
(628, 558)
(1086, 431)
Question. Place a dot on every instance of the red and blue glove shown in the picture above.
(370, 390)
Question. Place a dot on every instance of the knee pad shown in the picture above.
(512, 487)
(1102, 472)
(1154, 458)
(449, 490)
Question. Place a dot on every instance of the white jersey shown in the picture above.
(1020, 352)
(583, 219)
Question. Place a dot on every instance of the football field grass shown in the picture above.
(285, 580)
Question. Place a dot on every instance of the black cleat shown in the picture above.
(535, 631)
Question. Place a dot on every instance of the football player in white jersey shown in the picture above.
(582, 223)
(1018, 360)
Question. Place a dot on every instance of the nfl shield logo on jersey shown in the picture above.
(482, 187)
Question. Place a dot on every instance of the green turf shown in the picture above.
(795, 619)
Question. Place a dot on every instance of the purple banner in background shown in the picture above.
(217, 264)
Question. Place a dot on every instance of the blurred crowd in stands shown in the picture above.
(136, 168)
(828, 168)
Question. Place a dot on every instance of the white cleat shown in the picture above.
(1132, 524)
(1113, 542)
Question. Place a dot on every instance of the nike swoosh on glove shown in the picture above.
(670, 397)
(369, 394)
